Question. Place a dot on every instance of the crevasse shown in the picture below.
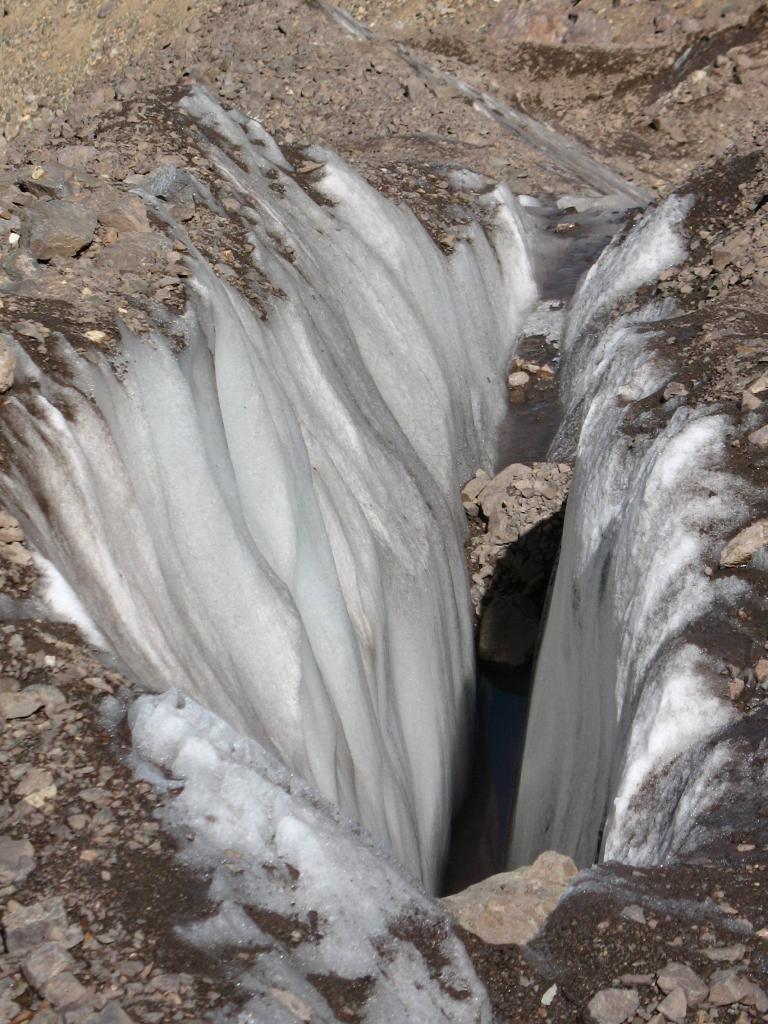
(268, 519)
(623, 749)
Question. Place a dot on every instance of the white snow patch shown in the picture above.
(271, 844)
(63, 602)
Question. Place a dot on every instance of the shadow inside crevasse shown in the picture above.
(512, 615)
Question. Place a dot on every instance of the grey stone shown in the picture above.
(727, 987)
(589, 29)
(59, 228)
(676, 975)
(726, 954)
(634, 913)
(113, 1013)
(50, 179)
(674, 390)
(755, 996)
(613, 1005)
(26, 927)
(34, 779)
(8, 1007)
(123, 211)
(675, 1006)
(759, 437)
(21, 704)
(64, 990)
(44, 963)
(17, 860)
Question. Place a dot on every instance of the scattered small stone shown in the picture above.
(64, 990)
(123, 211)
(634, 913)
(759, 437)
(112, 1013)
(548, 997)
(740, 548)
(677, 975)
(17, 860)
(674, 1006)
(293, 1003)
(727, 954)
(34, 780)
(632, 980)
(674, 390)
(736, 688)
(22, 704)
(28, 926)
(44, 963)
(727, 987)
(613, 1005)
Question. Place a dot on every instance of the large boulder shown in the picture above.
(512, 907)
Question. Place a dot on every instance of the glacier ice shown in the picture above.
(268, 518)
(272, 848)
(625, 718)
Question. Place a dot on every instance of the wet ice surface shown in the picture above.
(269, 519)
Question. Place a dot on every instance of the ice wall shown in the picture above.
(625, 719)
(268, 519)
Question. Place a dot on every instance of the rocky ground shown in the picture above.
(671, 95)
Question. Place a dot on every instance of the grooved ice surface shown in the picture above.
(268, 520)
(283, 861)
(624, 716)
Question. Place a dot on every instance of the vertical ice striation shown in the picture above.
(624, 716)
(268, 518)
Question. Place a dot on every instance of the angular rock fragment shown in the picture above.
(44, 963)
(64, 990)
(28, 926)
(123, 211)
(19, 705)
(675, 1006)
(743, 546)
(112, 1013)
(727, 987)
(676, 975)
(726, 954)
(512, 906)
(59, 228)
(613, 1005)
(17, 860)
